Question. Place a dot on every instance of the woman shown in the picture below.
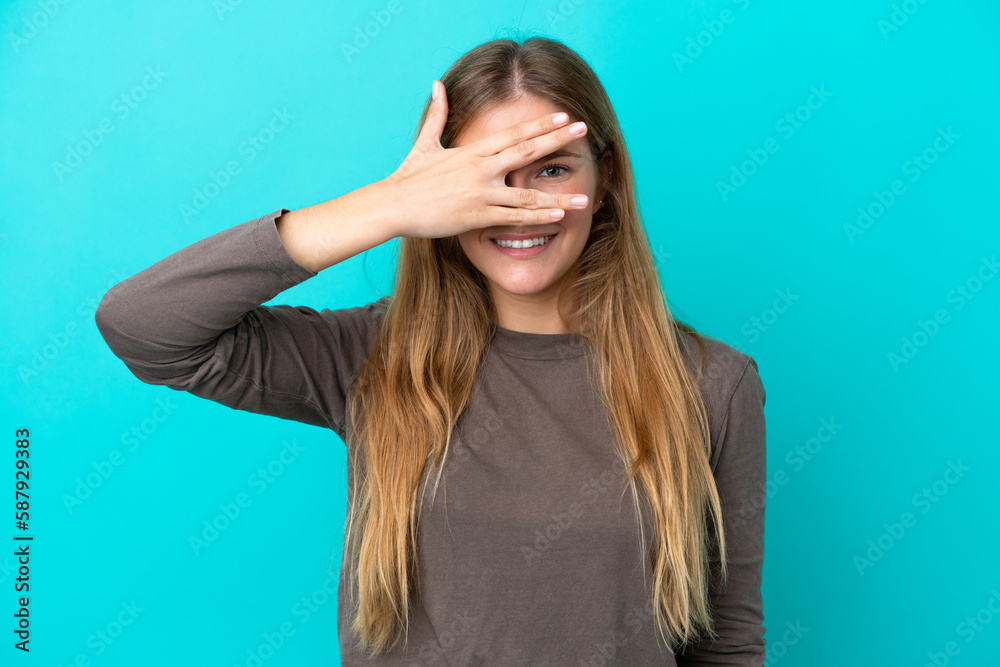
(526, 360)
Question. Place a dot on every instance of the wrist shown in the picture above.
(379, 198)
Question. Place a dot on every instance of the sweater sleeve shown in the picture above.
(194, 322)
(740, 475)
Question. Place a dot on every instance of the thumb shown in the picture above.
(437, 116)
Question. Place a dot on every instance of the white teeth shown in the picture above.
(526, 243)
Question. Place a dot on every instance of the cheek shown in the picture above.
(466, 239)
(577, 183)
(576, 224)
(472, 246)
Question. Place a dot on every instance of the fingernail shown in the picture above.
(579, 200)
(434, 90)
(577, 128)
(560, 118)
(556, 214)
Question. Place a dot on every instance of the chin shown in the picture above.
(523, 286)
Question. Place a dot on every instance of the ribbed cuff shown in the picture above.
(269, 243)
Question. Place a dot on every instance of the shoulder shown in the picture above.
(363, 319)
(376, 309)
(729, 380)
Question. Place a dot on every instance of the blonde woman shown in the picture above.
(601, 464)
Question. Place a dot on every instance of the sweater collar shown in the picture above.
(537, 345)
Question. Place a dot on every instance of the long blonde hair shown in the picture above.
(418, 378)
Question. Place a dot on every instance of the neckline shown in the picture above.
(538, 345)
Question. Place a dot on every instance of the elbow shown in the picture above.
(127, 334)
(106, 318)
(112, 320)
(112, 323)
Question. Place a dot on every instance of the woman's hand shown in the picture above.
(439, 192)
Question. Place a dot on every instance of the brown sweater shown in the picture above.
(530, 553)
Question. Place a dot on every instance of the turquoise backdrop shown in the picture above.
(819, 184)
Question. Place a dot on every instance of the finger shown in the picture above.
(513, 135)
(503, 195)
(532, 150)
(437, 116)
(501, 215)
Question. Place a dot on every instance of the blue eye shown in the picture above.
(554, 166)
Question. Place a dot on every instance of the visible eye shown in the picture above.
(549, 167)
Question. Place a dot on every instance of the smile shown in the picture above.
(526, 243)
(524, 248)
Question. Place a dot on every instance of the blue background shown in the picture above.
(767, 266)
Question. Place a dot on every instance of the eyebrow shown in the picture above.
(562, 152)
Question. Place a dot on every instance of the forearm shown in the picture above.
(325, 234)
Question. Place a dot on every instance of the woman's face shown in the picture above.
(537, 273)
